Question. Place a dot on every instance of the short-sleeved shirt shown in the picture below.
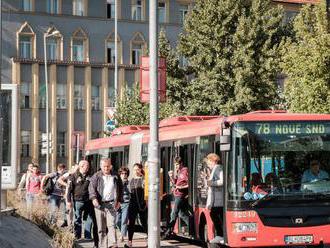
(308, 176)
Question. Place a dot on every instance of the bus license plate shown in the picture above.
(299, 239)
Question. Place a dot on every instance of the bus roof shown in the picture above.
(179, 128)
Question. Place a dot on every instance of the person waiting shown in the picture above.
(314, 173)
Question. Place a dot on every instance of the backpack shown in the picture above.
(49, 186)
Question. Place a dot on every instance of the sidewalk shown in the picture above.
(140, 241)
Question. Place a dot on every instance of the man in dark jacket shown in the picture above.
(77, 193)
(105, 191)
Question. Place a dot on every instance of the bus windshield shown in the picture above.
(280, 160)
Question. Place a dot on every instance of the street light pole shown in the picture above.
(153, 149)
(47, 105)
(116, 52)
(46, 35)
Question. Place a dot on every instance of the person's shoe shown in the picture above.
(128, 244)
(217, 240)
(121, 239)
(65, 223)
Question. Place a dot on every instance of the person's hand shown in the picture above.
(117, 206)
(170, 173)
(209, 183)
(96, 203)
(69, 205)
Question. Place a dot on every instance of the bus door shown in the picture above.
(117, 157)
(166, 164)
(186, 149)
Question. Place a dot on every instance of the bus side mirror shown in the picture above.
(225, 140)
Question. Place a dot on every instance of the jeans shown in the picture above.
(84, 210)
(181, 209)
(55, 205)
(122, 219)
(30, 199)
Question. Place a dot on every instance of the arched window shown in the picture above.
(110, 49)
(26, 42)
(54, 45)
(79, 46)
(138, 47)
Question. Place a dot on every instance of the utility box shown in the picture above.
(8, 135)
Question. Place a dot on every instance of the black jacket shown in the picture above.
(78, 187)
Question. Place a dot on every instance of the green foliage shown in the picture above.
(306, 62)
(232, 49)
(130, 111)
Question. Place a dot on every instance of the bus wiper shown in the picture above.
(265, 198)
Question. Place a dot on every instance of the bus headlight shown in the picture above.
(245, 227)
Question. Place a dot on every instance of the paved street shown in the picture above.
(140, 241)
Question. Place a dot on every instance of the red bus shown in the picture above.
(278, 148)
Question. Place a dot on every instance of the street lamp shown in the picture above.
(51, 33)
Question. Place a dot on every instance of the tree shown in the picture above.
(306, 62)
(233, 51)
(130, 111)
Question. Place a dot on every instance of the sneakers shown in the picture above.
(128, 245)
(65, 223)
(217, 240)
(121, 239)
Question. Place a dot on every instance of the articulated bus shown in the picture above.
(288, 153)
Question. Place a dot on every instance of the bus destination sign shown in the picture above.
(292, 128)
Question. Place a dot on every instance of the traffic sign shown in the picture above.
(110, 125)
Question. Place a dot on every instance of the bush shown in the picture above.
(61, 237)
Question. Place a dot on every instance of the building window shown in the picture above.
(112, 96)
(96, 135)
(136, 54)
(25, 44)
(42, 95)
(25, 143)
(79, 102)
(95, 97)
(162, 12)
(110, 8)
(25, 95)
(78, 50)
(61, 96)
(61, 144)
(53, 6)
(137, 48)
(79, 46)
(110, 49)
(111, 52)
(137, 10)
(80, 7)
(27, 5)
(52, 49)
(183, 13)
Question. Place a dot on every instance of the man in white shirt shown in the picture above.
(105, 190)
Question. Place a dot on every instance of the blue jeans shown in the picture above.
(55, 204)
(83, 210)
(181, 209)
(30, 199)
(122, 219)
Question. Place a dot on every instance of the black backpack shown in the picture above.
(49, 186)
